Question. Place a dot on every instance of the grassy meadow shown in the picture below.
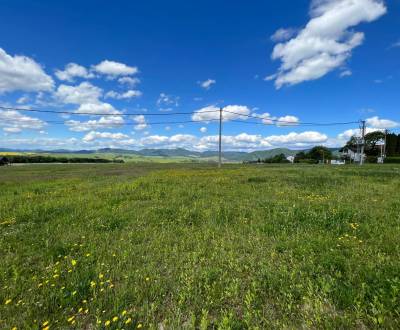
(188, 246)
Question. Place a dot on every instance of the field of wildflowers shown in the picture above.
(175, 246)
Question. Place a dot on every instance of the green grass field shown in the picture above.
(175, 246)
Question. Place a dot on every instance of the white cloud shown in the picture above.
(129, 81)
(345, 73)
(297, 139)
(22, 73)
(23, 99)
(140, 121)
(326, 42)
(203, 129)
(346, 135)
(73, 70)
(182, 138)
(103, 122)
(207, 83)
(93, 135)
(283, 34)
(167, 100)
(14, 122)
(376, 122)
(287, 121)
(126, 95)
(85, 92)
(230, 112)
(113, 69)
(97, 108)
(154, 140)
(42, 143)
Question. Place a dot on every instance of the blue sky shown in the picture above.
(290, 61)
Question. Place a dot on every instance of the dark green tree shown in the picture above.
(319, 153)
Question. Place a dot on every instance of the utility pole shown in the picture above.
(384, 145)
(220, 139)
(362, 142)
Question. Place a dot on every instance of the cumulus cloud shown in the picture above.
(97, 108)
(93, 135)
(13, 121)
(22, 73)
(203, 129)
(73, 70)
(85, 92)
(102, 123)
(297, 139)
(230, 112)
(42, 143)
(207, 83)
(87, 96)
(283, 34)
(140, 121)
(287, 121)
(376, 122)
(126, 95)
(129, 81)
(326, 41)
(114, 69)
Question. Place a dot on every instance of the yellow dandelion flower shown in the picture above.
(128, 320)
(147, 278)
(8, 301)
(115, 319)
(14, 328)
(74, 293)
(86, 311)
(101, 276)
(80, 309)
(73, 322)
(102, 289)
(70, 319)
(73, 262)
(92, 284)
(124, 312)
(139, 325)
(46, 328)
(45, 323)
(87, 254)
(107, 323)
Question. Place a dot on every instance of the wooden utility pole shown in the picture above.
(362, 142)
(384, 146)
(220, 139)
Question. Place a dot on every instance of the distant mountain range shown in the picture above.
(233, 156)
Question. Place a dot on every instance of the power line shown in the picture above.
(294, 124)
(105, 114)
(290, 123)
(273, 121)
(77, 123)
